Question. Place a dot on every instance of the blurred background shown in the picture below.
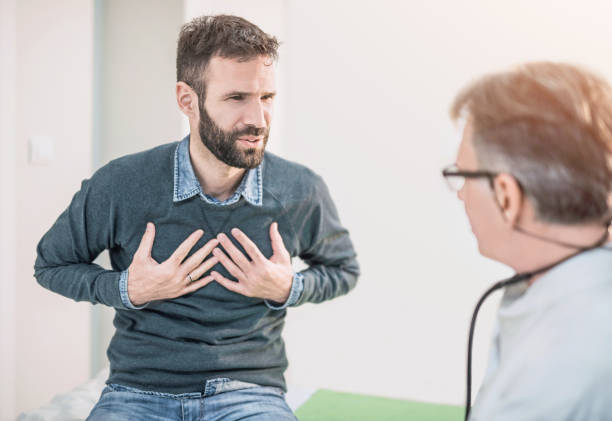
(364, 90)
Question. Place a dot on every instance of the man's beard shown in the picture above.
(224, 145)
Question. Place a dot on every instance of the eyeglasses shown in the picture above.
(455, 178)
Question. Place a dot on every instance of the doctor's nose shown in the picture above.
(460, 193)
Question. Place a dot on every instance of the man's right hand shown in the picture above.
(149, 280)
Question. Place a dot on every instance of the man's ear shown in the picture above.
(187, 100)
(509, 197)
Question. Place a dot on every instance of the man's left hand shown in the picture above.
(269, 279)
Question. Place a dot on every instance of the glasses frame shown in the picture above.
(453, 171)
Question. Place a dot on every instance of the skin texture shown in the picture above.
(239, 102)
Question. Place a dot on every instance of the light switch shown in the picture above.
(42, 150)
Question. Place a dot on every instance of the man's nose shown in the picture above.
(255, 115)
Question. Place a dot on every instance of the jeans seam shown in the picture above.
(201, 408)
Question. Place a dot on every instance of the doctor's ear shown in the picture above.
(509, 196)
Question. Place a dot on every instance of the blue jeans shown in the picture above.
(223, 399)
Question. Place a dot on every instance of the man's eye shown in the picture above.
(267, 97)
(236, 98)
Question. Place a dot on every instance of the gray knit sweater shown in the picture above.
(174, 346)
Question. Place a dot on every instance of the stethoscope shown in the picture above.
(520, 277)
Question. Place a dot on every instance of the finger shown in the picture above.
(196, 258)
(247, 244)
(195, 285)
(229, 265)
(204, 267)
(236, 255)
(278, 246)
(181, 251)
(146, 243)
(231, 285)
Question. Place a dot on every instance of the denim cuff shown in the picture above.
(123, 291)
(297, 286)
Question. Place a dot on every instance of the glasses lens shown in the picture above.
(455, 182)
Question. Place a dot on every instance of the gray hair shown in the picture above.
(550, 126)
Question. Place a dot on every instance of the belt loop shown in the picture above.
(209, 388)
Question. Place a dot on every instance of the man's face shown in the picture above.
(479, 200)
(237, 111)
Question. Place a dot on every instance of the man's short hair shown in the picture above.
(550, 126)
(224, 36)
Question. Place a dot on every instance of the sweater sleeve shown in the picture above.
(66, 252)
(332, 262)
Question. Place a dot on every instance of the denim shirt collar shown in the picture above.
(186, 184)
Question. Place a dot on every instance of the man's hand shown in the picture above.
(149, 280)
(259, 277)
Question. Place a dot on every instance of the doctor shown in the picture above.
(534, 174)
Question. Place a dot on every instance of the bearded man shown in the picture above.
(201, 234)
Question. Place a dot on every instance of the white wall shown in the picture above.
(138, 105)
(52, 97)
(368, 89)
(8, 99)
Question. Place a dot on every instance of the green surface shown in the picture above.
(326, 405)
